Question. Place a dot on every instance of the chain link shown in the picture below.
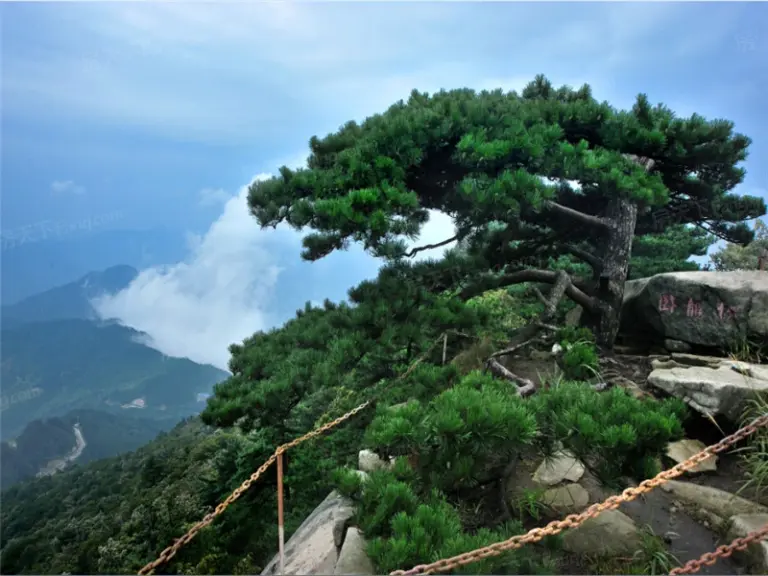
(574, 520)
(722, 552)
(171, 550)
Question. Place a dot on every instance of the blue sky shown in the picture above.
(165, 111)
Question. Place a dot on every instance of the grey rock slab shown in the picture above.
(567, 499)
(719, 502)
(312, 548)
(726, 390)
(353, 558)
(756, 554)
(683, 449)
(562, 466)
(612, 533)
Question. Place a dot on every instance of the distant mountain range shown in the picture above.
(38, 263)
(70, 301)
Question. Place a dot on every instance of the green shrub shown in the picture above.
(405, 529)
(462, 436)
(613, 432)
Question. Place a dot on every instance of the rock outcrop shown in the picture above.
(315, 548)
(711, 309)
(712, 386)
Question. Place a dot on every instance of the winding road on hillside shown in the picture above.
(59, 464)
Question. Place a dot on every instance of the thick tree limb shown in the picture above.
(587, 219)
(582, 254)
(418, 249)
(542, 276)
(525, 386)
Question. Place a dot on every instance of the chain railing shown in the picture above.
(574, 520)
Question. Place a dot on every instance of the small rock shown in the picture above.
(568, 499)
(353, 558)
(756, 554)
(707, 518)
(369, 461)
(562, 466)
(673, 510)
(681, 450)
(676, 345)
(612, 533)
(669, 536)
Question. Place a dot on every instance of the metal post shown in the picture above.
(445, 346)
(280, 524)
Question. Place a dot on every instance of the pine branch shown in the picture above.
(578, 216)
(411, 253)
(581, 254)
(521, 276)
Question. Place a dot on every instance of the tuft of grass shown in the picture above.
(653, 554)
(474, 357)
(754, 454)
(651, 559)
(745, 350)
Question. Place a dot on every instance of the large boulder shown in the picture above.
(713, 309)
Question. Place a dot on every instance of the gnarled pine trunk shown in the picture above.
(616, 251)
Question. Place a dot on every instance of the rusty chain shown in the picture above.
(574, 520)
(721, 552)
(171, 550)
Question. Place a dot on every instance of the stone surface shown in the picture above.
(676, 345)
(312, 548)
(756, 554)
(353, 558)
(612, 533)
(681, 450)
(719, 502)
(726, 388)
(369, 461)
(573, 316)
(705, 308)
(567, 499)
(563, 466)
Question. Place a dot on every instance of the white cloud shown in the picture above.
(218, 296)
(66, 187)
(213, 196)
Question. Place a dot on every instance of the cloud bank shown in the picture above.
(221, 294)
(228, 287)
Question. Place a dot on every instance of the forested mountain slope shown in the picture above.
(50, 368)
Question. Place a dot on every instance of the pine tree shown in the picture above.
(508, 158)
